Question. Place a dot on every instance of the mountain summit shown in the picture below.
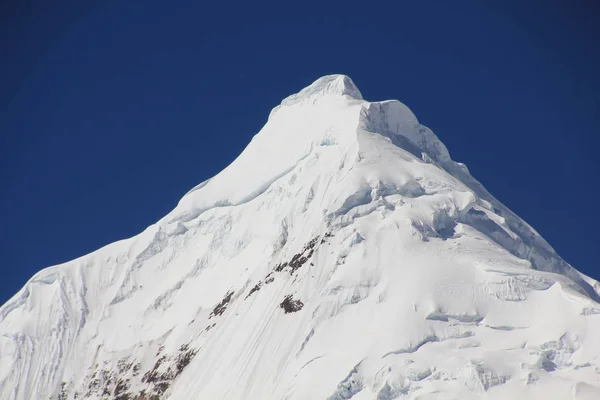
(328, 85)
(342, 255)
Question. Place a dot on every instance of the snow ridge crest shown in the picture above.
(328, 85)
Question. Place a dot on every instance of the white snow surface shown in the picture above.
(342, 255)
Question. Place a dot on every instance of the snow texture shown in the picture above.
(342, 255)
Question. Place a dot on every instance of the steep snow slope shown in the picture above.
(342, 255)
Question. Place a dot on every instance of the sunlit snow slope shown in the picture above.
(342, 255)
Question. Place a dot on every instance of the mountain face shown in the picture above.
(342, 255)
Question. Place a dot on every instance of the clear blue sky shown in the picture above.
(111, 110)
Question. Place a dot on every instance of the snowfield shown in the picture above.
(342, 255)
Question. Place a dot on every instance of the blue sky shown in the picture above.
(111, 111)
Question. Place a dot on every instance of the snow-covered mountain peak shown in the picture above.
(342, 255)
(329, 85)
(329, 112)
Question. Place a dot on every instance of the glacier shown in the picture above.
(343, 254)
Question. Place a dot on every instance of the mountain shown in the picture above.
(342, 255)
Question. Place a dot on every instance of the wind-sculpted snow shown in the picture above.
(342, 255)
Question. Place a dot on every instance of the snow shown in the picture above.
(343, 254)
